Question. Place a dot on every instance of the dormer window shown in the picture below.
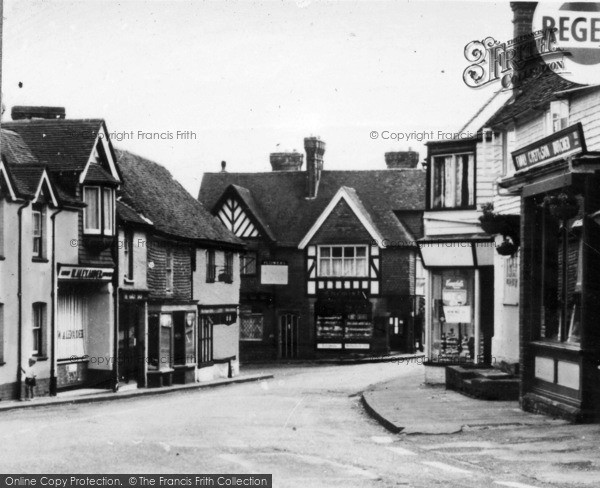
(99, 213)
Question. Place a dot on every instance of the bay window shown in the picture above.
(453, 181)
(98, 215)
(343, 261)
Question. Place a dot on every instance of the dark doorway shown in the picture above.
(129, 325)
(179, 345)
(288, 335)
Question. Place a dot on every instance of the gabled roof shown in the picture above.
(150, 189)
(246, 198)
(535, 93)
(66, 145)
(59, 143)
(6, 181)
(280, 198)
(351, 198)
(30, 180)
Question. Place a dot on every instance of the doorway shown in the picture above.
(288, 336)
(129, 324)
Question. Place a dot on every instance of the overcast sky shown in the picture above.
(251, 78)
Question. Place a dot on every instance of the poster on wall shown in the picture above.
(274, 273)
(511, 281)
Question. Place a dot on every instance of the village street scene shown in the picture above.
(300, 244)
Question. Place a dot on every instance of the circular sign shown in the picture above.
(576, 34)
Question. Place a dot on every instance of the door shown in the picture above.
(396, 329)
(180, 337)
(288, 336)
(128, 342)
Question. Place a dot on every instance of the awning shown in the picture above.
(468, 250)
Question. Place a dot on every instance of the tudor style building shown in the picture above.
(178, 282)
(331, 260)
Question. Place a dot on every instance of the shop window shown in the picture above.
(205, 340)
(38, 328)
(165, 341)
(560, 272)
(453, 332)
(348, 261)
(38, 231)
(128, 254)
(210, 266)
(169, 271)
(251, 327)
(419, 277)
(71, 322)
(99, 213)
(248, 264)
(453, 181)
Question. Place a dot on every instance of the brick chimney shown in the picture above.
(287, 161)
(20, 112)
(522, 17)
(401, 159)
(315, 148)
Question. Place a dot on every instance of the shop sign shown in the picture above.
(133, 296)
(456, 315)
(559, 145)
(511, 281)
(85, 273)
(274, 273)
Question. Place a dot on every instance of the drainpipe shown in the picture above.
(20, 301)
(115, 372)
(53, 381)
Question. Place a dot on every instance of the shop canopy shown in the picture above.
(455, 251)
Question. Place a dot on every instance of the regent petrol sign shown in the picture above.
(559, 145)
(576, 27)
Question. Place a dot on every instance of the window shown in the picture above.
(169, 271)
(557, 116)
(343, 261)
(205, 340)
(98, 215)
(251, 327)
(38, 231)
(128, 254)
(210, 266)
(1, 229)
(508, 146)
(248, 264)
(453, 181)
(228, 267)
(37, 327)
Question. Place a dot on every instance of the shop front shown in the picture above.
(131, 338)
(171, 344)
(459, 300)
(84, 327)
(560, 289)
(343, 321)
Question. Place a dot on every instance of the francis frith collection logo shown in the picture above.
(565, 39)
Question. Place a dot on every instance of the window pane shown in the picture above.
(361, 267)
(336, 267)
(108, 210)
(361, 252)
(348, 252)
(92, 211)
(325, 268)
(348, 265)
(325, 252)
(166, 320)
(336, 252)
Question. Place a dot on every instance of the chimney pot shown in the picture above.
(315, 149)
(401, 159)
(286, 161)
(223, 166)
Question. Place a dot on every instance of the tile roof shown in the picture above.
(535, 93)
(60, 143)
(14, 149)
(128, 214)
(97, 174)
(150, 189)
(248, 199)
(280, 197)
(26, 178)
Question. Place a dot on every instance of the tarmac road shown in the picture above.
(306, 426)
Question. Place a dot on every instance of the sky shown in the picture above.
(240, 80)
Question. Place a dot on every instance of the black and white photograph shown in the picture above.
(299, 243)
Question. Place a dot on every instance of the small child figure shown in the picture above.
(30, 379)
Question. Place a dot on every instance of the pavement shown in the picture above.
(406, 405)
(89, 395)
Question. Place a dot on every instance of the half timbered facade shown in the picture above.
(331, 261)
